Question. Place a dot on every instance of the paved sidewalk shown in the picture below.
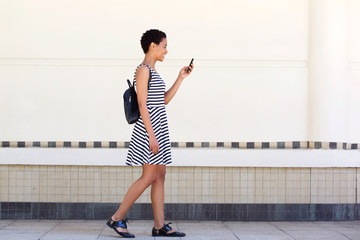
(199, 230)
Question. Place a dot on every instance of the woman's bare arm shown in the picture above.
(169, 94)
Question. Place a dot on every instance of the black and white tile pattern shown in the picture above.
(232, 145)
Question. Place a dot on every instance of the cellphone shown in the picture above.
(190, 65)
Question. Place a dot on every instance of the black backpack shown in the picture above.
(131, 106)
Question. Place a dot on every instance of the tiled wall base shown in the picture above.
(190, 185)
(234, 212)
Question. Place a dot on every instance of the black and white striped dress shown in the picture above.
(139, 153)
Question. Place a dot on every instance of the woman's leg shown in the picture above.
(134, 192)
(157, 196)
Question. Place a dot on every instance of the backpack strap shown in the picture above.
(149, 74)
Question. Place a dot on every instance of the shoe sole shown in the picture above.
(119, 233)
(167, 236)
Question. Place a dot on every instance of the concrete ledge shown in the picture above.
(186, 157)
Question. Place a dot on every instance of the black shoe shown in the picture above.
(122, 223)
(162, 232)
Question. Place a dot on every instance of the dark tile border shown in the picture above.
(281, 145)
(97, 144)
(112, 144)
(265, 145)
(236, 145)
(250, 145)
(296, 145)
(184, 211)
(190, 144)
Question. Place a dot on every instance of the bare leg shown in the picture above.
(134, 192)
(157, 196)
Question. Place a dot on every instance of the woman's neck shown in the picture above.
(149, 60)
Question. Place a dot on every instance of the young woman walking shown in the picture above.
(150, 143)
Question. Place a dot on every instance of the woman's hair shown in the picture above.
(152, 35)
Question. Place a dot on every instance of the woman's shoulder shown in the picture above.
(143, 67)
(142, 71)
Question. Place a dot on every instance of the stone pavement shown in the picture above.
(199, 230)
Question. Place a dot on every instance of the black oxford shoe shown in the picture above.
(163, 232)
(122, 224)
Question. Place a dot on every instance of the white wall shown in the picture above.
(354, 70)
(63, 66)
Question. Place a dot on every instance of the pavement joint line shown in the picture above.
(101, 231)
(177, 228)
(281, 230)
(236, 236)
(343, 235)
(230, 230)
(336, 232)
(8, 224)
(324, 227)
(50, 229)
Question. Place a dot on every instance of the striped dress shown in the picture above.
(139, 153)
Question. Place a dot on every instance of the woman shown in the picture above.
(150, 143)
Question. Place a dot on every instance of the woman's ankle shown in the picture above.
(116, 218)
(158, 225)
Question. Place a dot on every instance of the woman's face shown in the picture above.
(160, 50)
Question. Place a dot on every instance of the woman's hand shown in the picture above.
(154, 145)
(169, 94)
(183, 72)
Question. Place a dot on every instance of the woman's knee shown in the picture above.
(161, 174)
(152, 174)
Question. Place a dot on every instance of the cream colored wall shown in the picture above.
(354, 70)
(63, 66)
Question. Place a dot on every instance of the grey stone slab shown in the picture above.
(206, 236)
(7, 234)
(205, 226)
(340, 225)
(263, 235)
(294, 226)
(205, 230)
(351, 224)
(250, 226)
(4, 223)
(324, 234)
(70, 236)
(73, 230)
(70, 225)
(348, 229)
(353, 234)
(149, 237)
(257, 230)
(35, 225)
